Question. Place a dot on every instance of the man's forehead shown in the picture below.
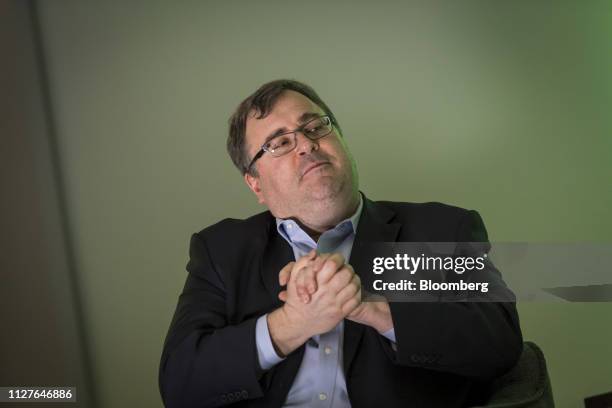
(285, 113)
(289, 103)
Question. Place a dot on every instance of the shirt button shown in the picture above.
(322, 396)
(327, 350)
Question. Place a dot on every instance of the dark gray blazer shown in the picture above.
(447, 353)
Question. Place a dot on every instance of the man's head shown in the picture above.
(316, 182)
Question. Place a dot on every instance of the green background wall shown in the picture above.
(498, 106)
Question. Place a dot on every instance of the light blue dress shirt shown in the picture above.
(320, 381)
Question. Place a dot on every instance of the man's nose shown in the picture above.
(305, 145)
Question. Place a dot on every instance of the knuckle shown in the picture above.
(348, 306)
(345, 275)
(337, 260)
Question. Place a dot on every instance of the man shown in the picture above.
(238, 337)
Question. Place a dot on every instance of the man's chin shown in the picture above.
(325, 188)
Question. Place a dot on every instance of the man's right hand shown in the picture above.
(338, 293)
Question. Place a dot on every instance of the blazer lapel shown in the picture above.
(375, 225)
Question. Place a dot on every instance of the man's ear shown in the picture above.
(253, 183)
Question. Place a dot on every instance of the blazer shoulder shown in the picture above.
(430, 209)
(227, 243)
(236, 225)
(437, 221)
(236, 231)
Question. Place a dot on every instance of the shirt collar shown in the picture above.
(285, 225)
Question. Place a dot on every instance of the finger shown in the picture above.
(308, 276)
(284, 274)
(342, 278)
(351, 305)
(302, 262)
(349, 290)
(301, 283)
(331, 265)
(306, 282)
(283, 295)
(320, 260)
(309, 280)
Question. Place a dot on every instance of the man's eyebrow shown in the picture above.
(305, 117)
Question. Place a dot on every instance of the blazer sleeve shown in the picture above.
(207, 362)
(479, 339)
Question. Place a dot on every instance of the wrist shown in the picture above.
(286, 333)
(384, 321)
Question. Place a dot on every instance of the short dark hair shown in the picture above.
(262, 102)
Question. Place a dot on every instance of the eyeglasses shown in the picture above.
(282, 144)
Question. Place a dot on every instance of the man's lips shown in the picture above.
(313, 166)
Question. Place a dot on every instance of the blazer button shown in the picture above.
(230, 397)
(224, 398)
(244, 394)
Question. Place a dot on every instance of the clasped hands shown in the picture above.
(321, 291)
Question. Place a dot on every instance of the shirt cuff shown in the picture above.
(265, 350)
(390, 334)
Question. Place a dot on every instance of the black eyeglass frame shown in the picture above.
(300, 129)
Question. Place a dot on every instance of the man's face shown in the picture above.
(316, 181)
